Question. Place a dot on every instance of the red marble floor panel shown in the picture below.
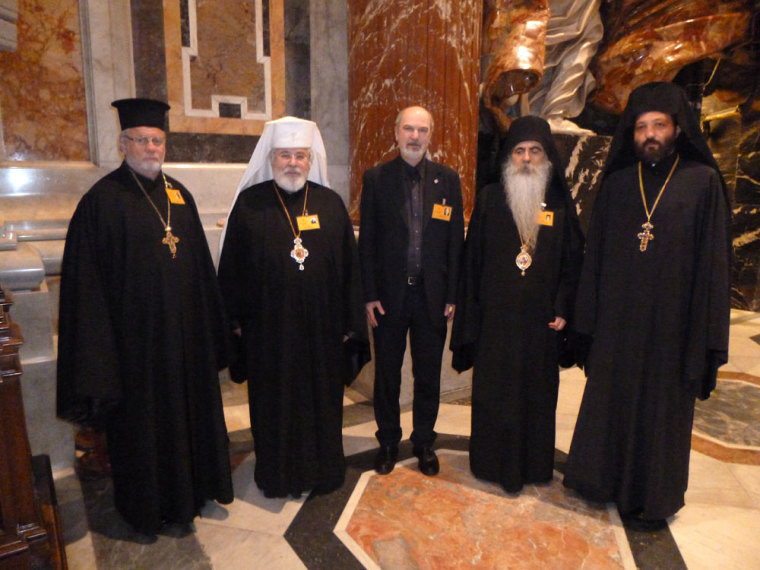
(389, 523)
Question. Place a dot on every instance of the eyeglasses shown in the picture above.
(143, 141)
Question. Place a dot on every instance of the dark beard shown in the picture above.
(655, 153)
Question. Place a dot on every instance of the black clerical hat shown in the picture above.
(664, 97)
(141, 113)
(529, 128)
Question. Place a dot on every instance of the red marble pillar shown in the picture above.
(414, 52)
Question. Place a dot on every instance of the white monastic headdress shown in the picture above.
(287, 132)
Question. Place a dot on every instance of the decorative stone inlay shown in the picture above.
(389, 523)
(731, 415)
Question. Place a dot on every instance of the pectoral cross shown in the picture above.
(646, 236)
(171, 241)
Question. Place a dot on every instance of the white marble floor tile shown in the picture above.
(237, 417)
(454, 419)
(359, 440)
(746, 364)
(713, 482)
(717, 537)
(749, 478)
(743, 346)
(237, 549)
(251, 510)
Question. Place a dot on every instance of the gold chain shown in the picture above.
(306, 197)
(170, 239)
(641, 187)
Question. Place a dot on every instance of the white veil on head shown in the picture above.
(287, 132)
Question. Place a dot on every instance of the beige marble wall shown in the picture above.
(42, 88)
(224, 63)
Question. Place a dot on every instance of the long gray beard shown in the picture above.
(525, 190)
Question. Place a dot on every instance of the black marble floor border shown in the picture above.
(311, 532)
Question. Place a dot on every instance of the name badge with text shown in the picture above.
(442, 212)
(546, 218)
(308, 222)
(175, 196)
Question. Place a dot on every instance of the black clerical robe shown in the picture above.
(659, 320)
(293, 325)
(142, 335)
(502, 325)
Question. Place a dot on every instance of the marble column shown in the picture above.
(414, 52)
(329, 86)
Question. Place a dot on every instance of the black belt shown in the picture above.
(413, 281)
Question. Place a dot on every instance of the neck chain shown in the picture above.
(299, 252)
(523, 259)
(646, 236)
(170, 239)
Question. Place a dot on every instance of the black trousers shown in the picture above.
(427, 340)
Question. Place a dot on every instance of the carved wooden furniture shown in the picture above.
(30, 533)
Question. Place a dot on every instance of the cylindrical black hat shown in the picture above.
(139, 112)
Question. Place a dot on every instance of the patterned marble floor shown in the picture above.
(377, 522)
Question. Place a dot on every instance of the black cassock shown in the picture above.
(293, 323)
(659, 320)
(502, 322)
(142, 334)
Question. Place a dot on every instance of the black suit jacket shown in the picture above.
(384, 237)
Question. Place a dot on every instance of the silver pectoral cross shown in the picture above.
(646, 236)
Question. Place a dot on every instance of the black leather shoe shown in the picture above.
(386, 459)
(428, 461)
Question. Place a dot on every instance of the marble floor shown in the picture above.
(406, 520)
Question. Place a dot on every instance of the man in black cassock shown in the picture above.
(522, 260)
(289, 275)
(654, 297)
(142, 332)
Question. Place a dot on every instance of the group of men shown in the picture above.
(146, 324)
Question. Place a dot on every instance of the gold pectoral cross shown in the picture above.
(646, 236)
(171, 240)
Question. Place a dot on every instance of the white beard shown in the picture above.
(525, 189)
(288, 183)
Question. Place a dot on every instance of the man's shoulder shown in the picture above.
(256, 190)
(259, 186)
(699, 168)
(384, 167)
(440, 168)
(324, 191)
(113, 181)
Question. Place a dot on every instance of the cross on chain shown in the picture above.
(646, 236)
(171, 241)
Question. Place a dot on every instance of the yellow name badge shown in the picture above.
(175, 196)
(546, 218)
(442, 212)
(308, 222)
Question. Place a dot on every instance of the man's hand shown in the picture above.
(558, 324)
(370, 309)
(448, 312)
